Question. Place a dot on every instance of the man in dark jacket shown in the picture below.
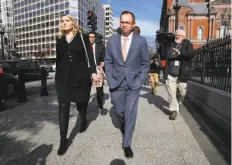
(179, 55)
(99, 53)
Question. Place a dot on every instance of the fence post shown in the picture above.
(43, 90)
(2, 101)
(203, 65)
(21, 90)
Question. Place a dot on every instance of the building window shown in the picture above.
(200, 33)
(222, 31)
(218, 33)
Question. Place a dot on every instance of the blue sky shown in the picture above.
(147, 13)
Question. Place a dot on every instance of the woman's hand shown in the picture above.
(94, 77)
(102, 64)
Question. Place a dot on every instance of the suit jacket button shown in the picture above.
(70, 56)
(70, 60)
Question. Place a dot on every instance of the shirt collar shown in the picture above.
(129, 37)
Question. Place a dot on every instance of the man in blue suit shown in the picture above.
(126, 67)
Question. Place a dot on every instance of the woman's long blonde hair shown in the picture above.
(74, 25)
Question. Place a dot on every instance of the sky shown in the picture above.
(147, 13)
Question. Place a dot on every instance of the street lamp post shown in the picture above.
(225, 22)
(176, 8)
(2, 32)
(208, 15)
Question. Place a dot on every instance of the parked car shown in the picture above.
(31, 71)
(48, 67)
(10, 85)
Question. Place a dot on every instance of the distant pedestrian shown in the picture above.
(136, 30)
(126, 66)
(154, 72)
(163, 58)
(179, 55)
(119, 31)
(73, 82)
(99, 54)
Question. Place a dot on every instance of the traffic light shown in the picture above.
(92, 21)
(90, 18)
(5, 41)
(95, 23)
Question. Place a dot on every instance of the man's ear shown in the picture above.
(134, 24)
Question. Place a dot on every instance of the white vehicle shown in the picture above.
(54, 67)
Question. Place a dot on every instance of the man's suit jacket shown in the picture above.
(134, 69)
(99, 52)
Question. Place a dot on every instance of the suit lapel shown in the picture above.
(119, 47)
(131, 47)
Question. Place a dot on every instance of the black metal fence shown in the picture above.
(212, 64)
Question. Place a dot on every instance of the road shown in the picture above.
(32, 90)
(33, 87)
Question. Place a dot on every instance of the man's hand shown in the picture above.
(176, 51)
(102, 64)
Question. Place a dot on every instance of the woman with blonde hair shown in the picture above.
(73, 75)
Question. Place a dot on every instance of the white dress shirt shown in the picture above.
(93, 46)
(128, 42)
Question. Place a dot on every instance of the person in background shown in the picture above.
(179, 54)
(136, 30)
(99, 53)
(154, 72)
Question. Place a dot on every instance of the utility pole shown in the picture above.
(208, 15)
(2, 32)
(176, 8)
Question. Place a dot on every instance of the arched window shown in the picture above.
(218, 33)
(222, 31)
(200, 33)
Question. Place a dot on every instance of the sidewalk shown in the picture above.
(30, 135)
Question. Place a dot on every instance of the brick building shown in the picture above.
(193, 18)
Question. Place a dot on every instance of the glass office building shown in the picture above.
(37, 21)
(108, 21)
(7, 21)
